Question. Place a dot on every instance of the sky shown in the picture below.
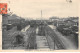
(32, 8)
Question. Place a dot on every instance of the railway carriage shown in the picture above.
(32, 23)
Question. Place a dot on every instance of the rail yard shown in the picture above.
(38, 36)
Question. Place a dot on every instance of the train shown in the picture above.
(32, 23)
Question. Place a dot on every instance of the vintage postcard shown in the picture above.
(39, 25)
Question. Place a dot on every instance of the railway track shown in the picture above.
(32, 39)
(54, 37)
(29, 39)
(41, 40)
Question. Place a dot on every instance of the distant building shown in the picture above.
(53, 19)
(67, 23)
(9, 20)
(4, 19)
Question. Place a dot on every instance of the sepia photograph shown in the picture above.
(40, 25)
